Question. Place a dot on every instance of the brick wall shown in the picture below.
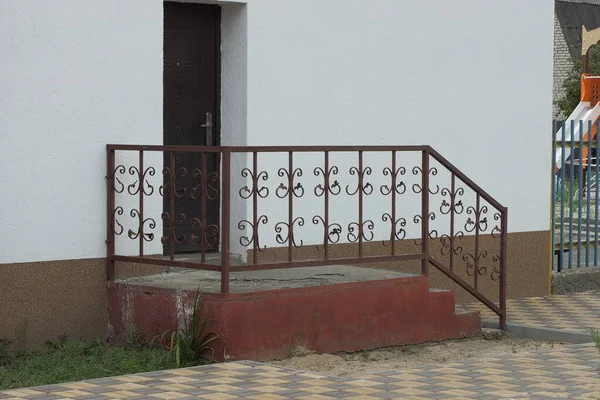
(563, 65)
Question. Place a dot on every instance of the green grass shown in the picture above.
(67, 361)
(596, 337)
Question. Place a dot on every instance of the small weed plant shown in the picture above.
(66, 360)
(596, 338)
(134, 337)
(189, 345)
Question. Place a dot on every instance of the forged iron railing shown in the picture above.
(575, 199)
(286, 207)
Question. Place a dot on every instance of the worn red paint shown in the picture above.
(271, 324)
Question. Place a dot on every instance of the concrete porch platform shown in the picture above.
(252, 281)
(271, 314)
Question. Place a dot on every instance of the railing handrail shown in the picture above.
(460, 175)
(264, 149)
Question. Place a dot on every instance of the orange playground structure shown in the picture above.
(582, 122)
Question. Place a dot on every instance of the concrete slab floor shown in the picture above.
(251, 281)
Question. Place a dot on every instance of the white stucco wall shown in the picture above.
(473, 79)
(75, 75)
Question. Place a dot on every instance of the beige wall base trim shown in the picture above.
(44, 300)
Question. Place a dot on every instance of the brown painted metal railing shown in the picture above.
(456, 226)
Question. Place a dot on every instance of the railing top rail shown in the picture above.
(263, 149)
(476, 188)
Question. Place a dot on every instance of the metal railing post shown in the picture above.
(110, 207)
(563, 149)
(597, 195)
(141, 203)
(588, 199)
(225, 220)
(425, 213)
(503, 255)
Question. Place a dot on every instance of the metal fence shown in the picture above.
(575, 194)
(383, 203)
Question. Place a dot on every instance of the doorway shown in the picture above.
(191, 117)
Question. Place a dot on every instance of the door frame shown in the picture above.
(216, 118)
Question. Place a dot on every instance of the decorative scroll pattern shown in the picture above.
(297, 189)
(476, 224)
(332, 188)
(433, 233)
(118, 185)
(203, 187)
(261, 191)
(134, 188)
(207, 186)
(446, 206)
(332, 232)
(149, 221)
(397, 228)
(253, 238)
(398, 187)
(357, 231)
(171, 182)
(288, 232)
(172, 236)
(480, 220)
(117, 226)
(456, 202)
(453, 204)
(366, 188)
(209, 235)
(496, 233)
(450, 243)
(417, 187)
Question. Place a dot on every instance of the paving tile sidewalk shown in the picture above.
(566, 373)
(574, 312)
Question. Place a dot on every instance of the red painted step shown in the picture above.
(271, 324)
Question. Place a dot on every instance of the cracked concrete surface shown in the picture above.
(210, 281)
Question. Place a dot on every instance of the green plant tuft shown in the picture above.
(134, 337)
(188, 346)
(596, 338)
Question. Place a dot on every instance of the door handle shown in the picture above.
(208, 125)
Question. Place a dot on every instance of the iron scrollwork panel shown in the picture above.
(476, 225)
(246, 192)
(253, 239)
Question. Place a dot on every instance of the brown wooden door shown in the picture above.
(190, 91)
